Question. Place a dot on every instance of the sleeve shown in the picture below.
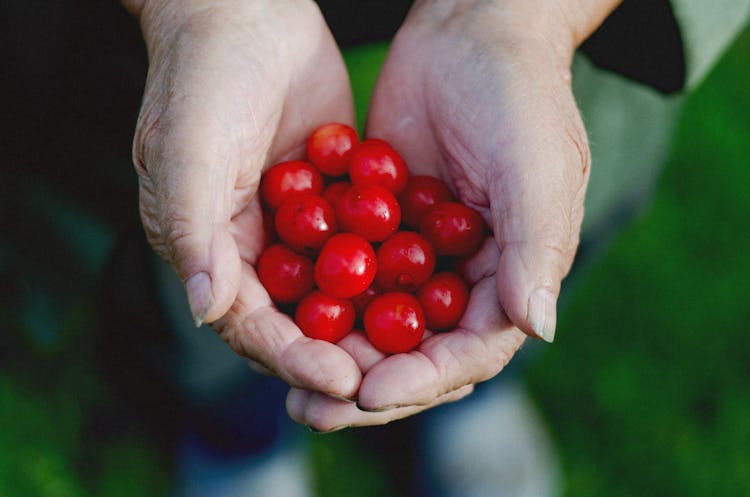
(707, 28)
(363, 21)
(667, 45)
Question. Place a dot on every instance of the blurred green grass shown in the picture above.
(647, 389)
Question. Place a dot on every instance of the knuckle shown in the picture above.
(496, 357)
(245, 334)
(148, 141)
(174, 234)
(562, 249)
(577, 137)
(555, 236)
(454, 368)
(228, 328)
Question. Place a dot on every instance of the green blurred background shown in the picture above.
(646, 390)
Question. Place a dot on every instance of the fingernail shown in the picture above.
(542, 314)
(198, 288)
(350, 400)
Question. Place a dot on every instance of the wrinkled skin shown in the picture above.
(225, 99)
(504, 132)
(477, 93)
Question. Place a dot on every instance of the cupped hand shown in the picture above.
(234, 87)
(479, 94)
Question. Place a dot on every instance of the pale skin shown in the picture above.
(474, 92)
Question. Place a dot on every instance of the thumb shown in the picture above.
(207, 259)
(537, 216)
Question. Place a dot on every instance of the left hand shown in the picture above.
(478, 94)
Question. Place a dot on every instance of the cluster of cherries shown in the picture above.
(364, 248)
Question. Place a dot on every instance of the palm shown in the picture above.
(448, 126)
(401, 113)
(462, 105)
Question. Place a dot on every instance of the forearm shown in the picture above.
(583, 17)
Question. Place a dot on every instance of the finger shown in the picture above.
(480, 265)
(537, 210)
(361, 350)
(326, 414)
(477, 350)
(255, 329)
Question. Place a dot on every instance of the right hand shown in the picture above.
(234, 87)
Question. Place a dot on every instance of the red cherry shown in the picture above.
(333, 192)
(286, 275)
(405, 261)
(346, 266)
(421, 193)
(289, 177)
(370, 211)
(377, 141)
(374, 162)
(453, 229)
(443, 298)
(305, 221)
(329, 148)
(394, 322)
(325, 318)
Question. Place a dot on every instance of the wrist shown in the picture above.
(161, 20)
(563, 24)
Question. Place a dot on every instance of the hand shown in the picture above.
(478, 93)
(233, 87)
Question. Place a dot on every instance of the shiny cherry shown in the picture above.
(286, 275)
(405, 261)
(374, 162)
(346, 266)
(329, 148)
(305, 221)
(289, 177)
(443, 298)
(325, 318)
(453, 229)
(394, 322)
(419, 195)
(370, 211)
